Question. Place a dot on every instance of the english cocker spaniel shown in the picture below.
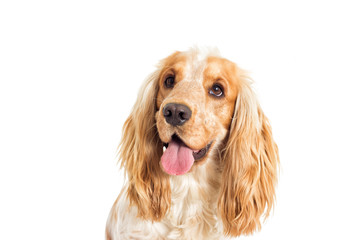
(198, 152)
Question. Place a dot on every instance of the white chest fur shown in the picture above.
(192, 214)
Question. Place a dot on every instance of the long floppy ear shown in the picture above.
(140, 153)
(250, 160)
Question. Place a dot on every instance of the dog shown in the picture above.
(198, 153)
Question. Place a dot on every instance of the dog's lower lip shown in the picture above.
(202, 152)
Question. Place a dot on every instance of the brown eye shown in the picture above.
(216, 90)
(169, 81)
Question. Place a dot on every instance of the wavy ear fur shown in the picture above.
(140, 152)
(250, 160)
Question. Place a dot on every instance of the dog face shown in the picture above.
(195, 104)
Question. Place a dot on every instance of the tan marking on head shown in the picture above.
(173, 65)
(224, 72)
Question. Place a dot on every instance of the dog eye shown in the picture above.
(169, 81)
(216, 90)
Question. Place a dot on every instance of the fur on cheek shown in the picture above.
(163, 129)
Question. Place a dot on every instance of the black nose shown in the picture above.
(176, 114)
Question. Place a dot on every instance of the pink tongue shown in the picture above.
(177, 158)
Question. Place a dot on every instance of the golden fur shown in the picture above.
(226, 192)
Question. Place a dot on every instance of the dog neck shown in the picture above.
(194, 201)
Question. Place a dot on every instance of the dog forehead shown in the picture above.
(197, 67)
(196, 63)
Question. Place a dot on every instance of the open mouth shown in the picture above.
(197, 154)
(178, 158)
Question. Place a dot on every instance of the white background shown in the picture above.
(70, 71)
